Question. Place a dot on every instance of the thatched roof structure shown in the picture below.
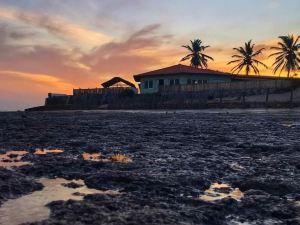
(116, 80)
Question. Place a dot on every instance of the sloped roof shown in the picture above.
(178, 69)
(116, 80)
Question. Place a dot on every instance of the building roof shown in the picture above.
(116, 80)
(178, 69)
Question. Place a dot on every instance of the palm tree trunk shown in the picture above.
(288, 75)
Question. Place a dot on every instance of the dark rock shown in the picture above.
(176, 157)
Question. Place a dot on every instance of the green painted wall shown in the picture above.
(183, 79)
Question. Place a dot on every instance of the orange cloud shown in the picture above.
(20, 90)
(137, 53)
(57, 26)
(40, 79)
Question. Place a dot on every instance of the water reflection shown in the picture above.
(120, 158)
(92, 156)
(291, 124)
(41, 151)
(32, 208)
(13, 159)
(220, 191)
(96, 157)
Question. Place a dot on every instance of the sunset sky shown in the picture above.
(57, 45)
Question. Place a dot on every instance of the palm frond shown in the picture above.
(276, 53)
(186, 57)
(234, 61)
(187, 47)
(258, 52)
(278, 66)
(260, 63)
(237, 56)
(207, 56)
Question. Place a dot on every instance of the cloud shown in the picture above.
(57, 26)
(37, 78)
(20, 90)
(135, 54)
(35, 70)
(8, 33)
(274, 3)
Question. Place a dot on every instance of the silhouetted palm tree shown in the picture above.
(197, 57)
(288, 57)
(246, 59)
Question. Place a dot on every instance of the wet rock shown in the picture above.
(176, 158)
(14, 184)
(271, 186)
(73, 185)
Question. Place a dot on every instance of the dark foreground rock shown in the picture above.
(14, 184)
(176, 157)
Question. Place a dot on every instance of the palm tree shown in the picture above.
(288, 55)
(246, 59)
(197, 57)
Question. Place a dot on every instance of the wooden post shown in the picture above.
(267, 96)
(292, 95)
(244, 98)
(221, 96)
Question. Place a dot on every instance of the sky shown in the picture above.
(57, 45)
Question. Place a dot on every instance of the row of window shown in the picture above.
(148, 84)
(189, 81)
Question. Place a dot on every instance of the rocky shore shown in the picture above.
(176, 157)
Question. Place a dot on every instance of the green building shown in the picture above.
(150, 82)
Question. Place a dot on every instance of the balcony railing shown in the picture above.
(238, 85)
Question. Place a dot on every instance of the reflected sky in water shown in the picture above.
(32, 207)
(42, 151)
(13, 159)
(220, 191)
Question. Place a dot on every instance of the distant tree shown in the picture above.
(245, 59)
(288, 55)
(196, 56)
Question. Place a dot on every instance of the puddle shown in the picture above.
(290, 124)
(13, 159)
(92, 156)
(120, 158)
(220, 191)
(95, 157)
(41, 151)
(32, 208)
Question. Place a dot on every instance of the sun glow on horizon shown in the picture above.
(54, 46)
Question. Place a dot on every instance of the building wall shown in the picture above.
(153, 82)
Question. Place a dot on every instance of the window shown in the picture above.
(150, 83)
(161, 82)
(146, 85)
(189, 81)
(174, 82)
(202, 81)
